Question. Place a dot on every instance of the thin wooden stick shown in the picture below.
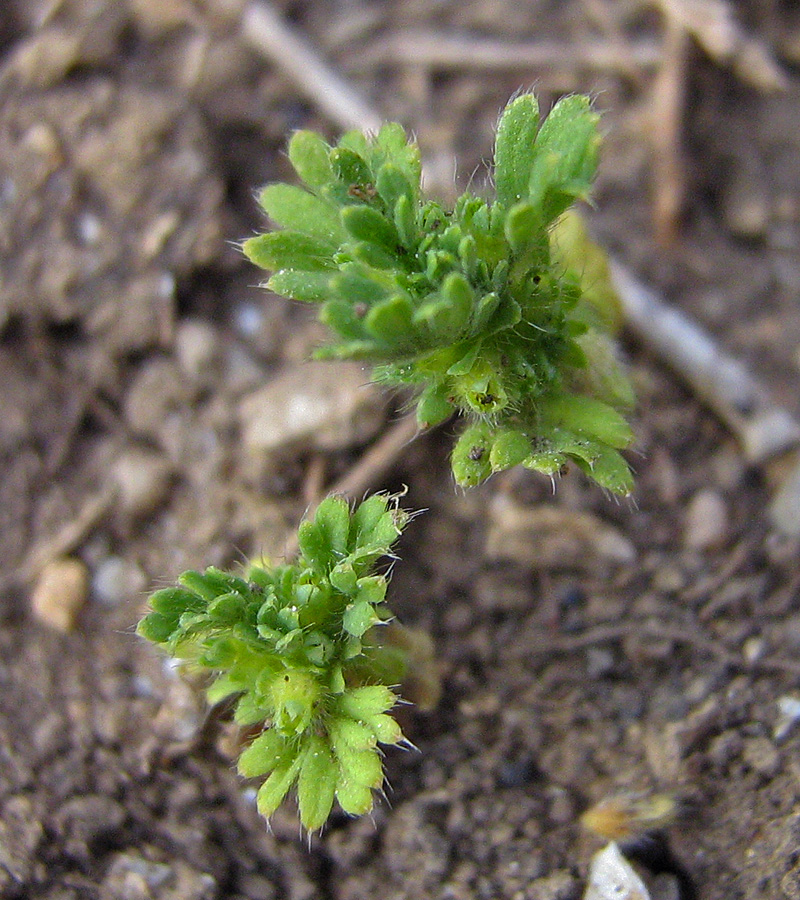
(69, 536)
(270, 35)
(367, 471)
(763, 429)
(665, 134)
(447, 51)
(377, 460)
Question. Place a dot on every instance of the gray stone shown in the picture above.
(706, 525)
(321, 406)
(142, 478)
(117, 580)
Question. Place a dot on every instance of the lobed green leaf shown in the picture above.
(294, 209)
(514, 148)
(310, 156)
(277, 786)
(267, 752)
(316, 784)
(362, 702)
(291, 250)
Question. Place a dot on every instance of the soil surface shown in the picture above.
(587, 646)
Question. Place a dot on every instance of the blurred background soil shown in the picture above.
(587, 646)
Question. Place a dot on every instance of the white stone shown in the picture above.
(611, 877)
(789, 716)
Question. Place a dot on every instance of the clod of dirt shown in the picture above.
(83, 820)
(21, 833)
(316, 405)
(60, 593)
(760, 755)
(558, 885)
(159, 392)
(80, 33)
(132, 877)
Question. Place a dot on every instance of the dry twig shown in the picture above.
(268, 33)
(368, 470)
(764, 429)
(665, 134)
(435, 50)
(69, 536)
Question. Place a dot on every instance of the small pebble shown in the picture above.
(789, 716)
(60, 593)
(599, 662)
(754, 649)
(153, 875)
(158, 390)
(241, 371)
(706, 525)
(197, 347)
(181, 715)
(549, 536)
(117, 580)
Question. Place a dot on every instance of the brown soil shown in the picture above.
(649, 653)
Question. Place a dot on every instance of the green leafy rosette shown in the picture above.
(501, 311)
(294, 646)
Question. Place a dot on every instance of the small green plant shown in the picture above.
(500, 310)
(298, 646)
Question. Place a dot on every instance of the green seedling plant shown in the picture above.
(296, 645)
(500, 311)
